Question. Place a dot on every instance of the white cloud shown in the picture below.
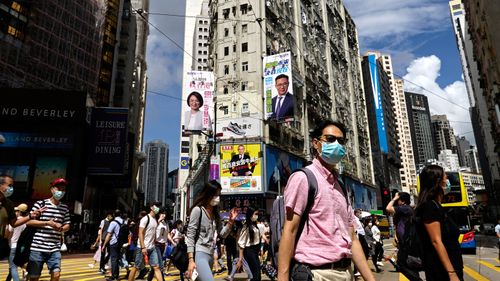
(451, 100)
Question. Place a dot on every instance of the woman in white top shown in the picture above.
(249, 244)
(193, 118)
(378, 245)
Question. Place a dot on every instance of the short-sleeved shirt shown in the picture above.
(401, 215)
(162, 233)
(432, 212)
(16, 231)
(497, 230)
(326, 236)
(47, 239)
(114, 229)
(150, 231)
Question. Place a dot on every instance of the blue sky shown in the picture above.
(417, 34)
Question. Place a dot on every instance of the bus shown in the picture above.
(456, 204)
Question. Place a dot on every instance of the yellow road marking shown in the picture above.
(402, 277)
(489, 265)
(474, 274)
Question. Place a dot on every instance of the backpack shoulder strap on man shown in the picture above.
(311, 194)
(344, 189)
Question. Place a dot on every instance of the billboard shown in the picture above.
(108, 142)
(47, 169)
(240, 168)
(377, 97)
(278, 89)
(362, 197)
(279, 167)
(199, 109)
(238, 128)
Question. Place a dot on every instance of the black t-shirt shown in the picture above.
(434, 269)
(7, 214)
(401, 215)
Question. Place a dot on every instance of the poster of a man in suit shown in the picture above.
(278, 87)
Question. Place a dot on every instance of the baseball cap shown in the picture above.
(21, 207)
(59, 181)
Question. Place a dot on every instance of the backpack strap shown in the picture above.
(198, 228)
(344, 189)
(311, 195)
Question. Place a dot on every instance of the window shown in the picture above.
(233, 9)
(199, 44)
(226, 51)
(200, 21)
(226, 32)
(234, 67)
(226, 110)
(199, 52)
(226, 69)
(234, 48)
(235, 107)
(244, 85)
(226, 90)
(225, 13)
(244, 66)
(244, 107)
(244, 47)
(234, 30)
(244, 9)
(244, 28)
(200, 29)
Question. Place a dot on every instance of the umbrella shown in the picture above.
(365, 214)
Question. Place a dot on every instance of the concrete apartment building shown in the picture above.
(444, 136)
(472, 160)
(482, 20)
(474, 183)
(449, 160)
(242, 34)
(462, 145)
(155, 171)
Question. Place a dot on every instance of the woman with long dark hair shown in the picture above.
(204, 221)
(249, 244)
(439, 234)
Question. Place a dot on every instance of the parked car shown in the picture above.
(489, 229)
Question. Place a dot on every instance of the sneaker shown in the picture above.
(235, 128)
(106, 267)
(102, 271)
(379, 263)
(357, 274)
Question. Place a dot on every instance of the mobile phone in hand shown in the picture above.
(194, 275)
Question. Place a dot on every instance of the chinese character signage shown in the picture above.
(278, 89)
(240, 168)
(198, 110)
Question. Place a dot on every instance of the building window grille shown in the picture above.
(244, 66)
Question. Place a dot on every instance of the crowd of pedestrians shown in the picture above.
(323, 237)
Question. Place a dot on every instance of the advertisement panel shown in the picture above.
(362, 197)
(198, 112)
(377, 97)
(279, 167)
(278, 89)
(240, 168)
(37, 140)
(47, 169)
(238, 128)
(108, 142)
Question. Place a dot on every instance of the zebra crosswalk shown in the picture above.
(79, 268)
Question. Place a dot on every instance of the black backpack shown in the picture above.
(123, 233)
(410, 247)
(278, 214)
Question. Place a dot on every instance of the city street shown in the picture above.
(482, 266)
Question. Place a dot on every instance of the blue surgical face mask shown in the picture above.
(9, 191)
(332, 152)
(447, 187)
(58, 195)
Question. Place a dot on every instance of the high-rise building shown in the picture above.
(474, 183)
(462, 145)
(155, 171)
(482, 20)
(444, 137)
(70, 60)
(241, 36)
(201, 39)
(421, 129)
(472, 160)
(449, 160)
(382, 119)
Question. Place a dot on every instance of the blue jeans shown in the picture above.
(12, 267)
(37, 259)
(154, 258)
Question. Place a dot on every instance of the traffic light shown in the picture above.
(386, 197)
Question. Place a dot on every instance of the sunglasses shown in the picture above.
(332, 138)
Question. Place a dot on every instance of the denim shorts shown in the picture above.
(37, 259)
(154, 258)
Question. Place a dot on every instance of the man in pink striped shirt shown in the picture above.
(327, 244)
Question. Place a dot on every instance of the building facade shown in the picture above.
(474, 183)
(155, 171)
(444, 137)
(379, 93)
(421, 129)
(462, 145)
(472, 160)
(482, 21)
(449, 160)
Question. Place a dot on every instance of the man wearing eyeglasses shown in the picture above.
(283, 103)
(327, 244)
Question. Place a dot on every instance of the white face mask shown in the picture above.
(215, 201)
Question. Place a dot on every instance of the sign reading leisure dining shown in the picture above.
(199, 108)
(241, 168)
(278, 89)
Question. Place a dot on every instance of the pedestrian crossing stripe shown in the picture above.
(497, 269)
(474, 274)
(402, 277)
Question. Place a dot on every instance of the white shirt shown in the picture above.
(497, 230)
(244, 239)
(376, 233)
(359, 227)
(162, 233)
(16, 231)
(176, 235)
(150, 231)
